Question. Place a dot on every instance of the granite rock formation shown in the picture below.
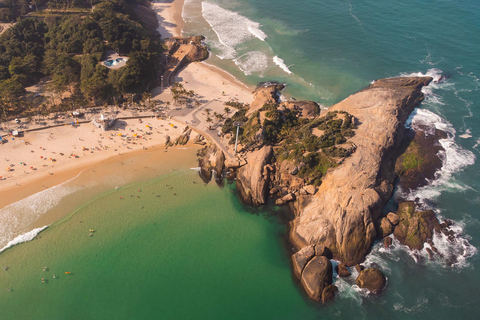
(341, 214)
(372, 279)
(312, 266)
(254, 177)
(211, 160)
(419, 163)
(415, 227)
(265, 93)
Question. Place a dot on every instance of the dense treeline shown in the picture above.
(67, 49)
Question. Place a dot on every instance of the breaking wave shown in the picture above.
(252, 62)
(231, 28)
(279, 62)
(29, 236)
(234, 33)
(15, 217)
(454, 158)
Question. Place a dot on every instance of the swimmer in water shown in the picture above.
(53, 276)
(44, 268)
(43, 280)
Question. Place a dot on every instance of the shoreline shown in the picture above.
(48, 158)
(55, 155)
(169, 16)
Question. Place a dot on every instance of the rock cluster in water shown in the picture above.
(342, 216)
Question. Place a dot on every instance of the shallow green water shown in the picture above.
(194, 255)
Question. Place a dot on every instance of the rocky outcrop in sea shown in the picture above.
(337, 178)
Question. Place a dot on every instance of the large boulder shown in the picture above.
(254, 177)
(211, 159)
(419, 163)
(372, 279)
(329, 293)
(343, 271)
(301, 258)
(385, 228)
(316, 276)
(393, 218)
(415, 227)
(306, 109)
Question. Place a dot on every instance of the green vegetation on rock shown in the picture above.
(294, 139)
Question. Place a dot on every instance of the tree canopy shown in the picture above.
(67, 49)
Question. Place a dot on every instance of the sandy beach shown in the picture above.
(169, 13)
(47, 157)
(41, 160)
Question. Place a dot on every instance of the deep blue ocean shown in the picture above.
(325, 50)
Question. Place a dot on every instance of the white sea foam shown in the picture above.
(185, 12)
(279, 62)
(454, 252)
(252, 62)
(354, 16)
(466, 135)
(29, 236)
(430, 97)
(231, 28)
(15, 217)
(454, 158)
(257, 32)
(419, 306)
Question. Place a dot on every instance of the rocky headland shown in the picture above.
(337, 171)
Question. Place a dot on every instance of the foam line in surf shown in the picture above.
(252, 62)
(231, 28)
(454, 158)
(279, 62)
(29, 236)
(17, 216)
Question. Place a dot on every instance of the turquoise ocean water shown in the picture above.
(194, 252)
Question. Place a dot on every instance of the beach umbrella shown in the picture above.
(41, 157)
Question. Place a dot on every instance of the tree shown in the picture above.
(209, 120)
(227, 110)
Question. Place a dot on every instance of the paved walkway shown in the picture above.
(193, 117)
